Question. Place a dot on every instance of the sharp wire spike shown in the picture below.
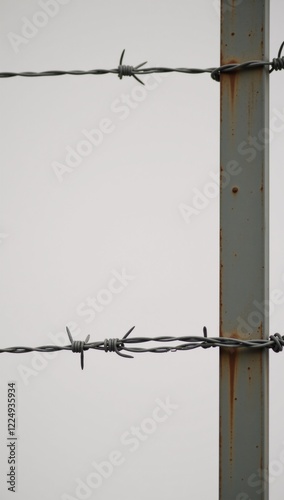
(121, 57)
(274, 342)
(122, 355)
(140, 65)
(69, 335)
(128, 333)
(276, 64)
(138, 79)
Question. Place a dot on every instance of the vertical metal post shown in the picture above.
(244, 251)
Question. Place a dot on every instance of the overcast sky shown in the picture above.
(95, 175)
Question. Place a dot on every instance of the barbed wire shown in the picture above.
(122, 70)
(274, 342)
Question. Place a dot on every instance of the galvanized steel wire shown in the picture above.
(125, 344)
(122, 70)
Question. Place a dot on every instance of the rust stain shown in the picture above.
(232, 367)
(221, 281)
(233, 77)
(231, 360)
(230, 79)
(220, 447)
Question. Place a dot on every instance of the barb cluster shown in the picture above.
(275, 342)
(276, 64)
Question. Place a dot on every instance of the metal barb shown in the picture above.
(128, 344)
(128, 333)
(280, 50)
(121, 57)
(124, 70)
(78, 345)
(116, 345)
(278, 62)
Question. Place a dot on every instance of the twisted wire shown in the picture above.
(122, 70)
(274, 342)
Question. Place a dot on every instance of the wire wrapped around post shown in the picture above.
(122, 70)
(126, 344)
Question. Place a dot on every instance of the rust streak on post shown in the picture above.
(243, 250)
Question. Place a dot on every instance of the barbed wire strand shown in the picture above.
(122, 70)
(124, 345)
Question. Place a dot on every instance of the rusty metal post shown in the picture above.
(244, 252)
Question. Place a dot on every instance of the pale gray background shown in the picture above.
(118, 209)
